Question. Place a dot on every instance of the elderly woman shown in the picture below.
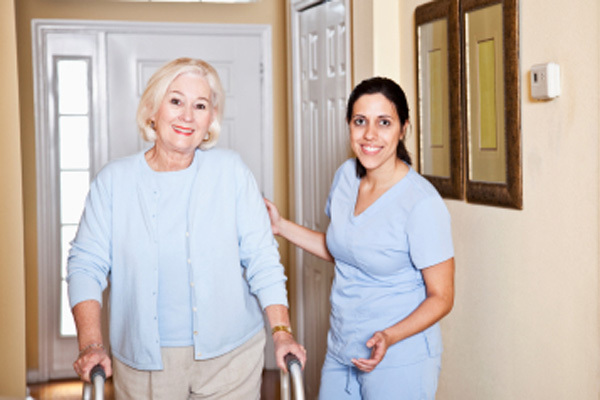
(182, 233)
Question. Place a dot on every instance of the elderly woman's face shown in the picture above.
(185, 114)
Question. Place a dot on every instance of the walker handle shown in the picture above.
(97, 378)
(294, 367)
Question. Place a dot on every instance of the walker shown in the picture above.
(295, 370)
(97, 377)
(295, 391)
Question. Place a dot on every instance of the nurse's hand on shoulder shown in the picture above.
(274, 216)
(378, 344)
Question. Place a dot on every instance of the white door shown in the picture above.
(120, 59)
(321, 145)
(133, 57)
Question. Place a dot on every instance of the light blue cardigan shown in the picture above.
(234, 262)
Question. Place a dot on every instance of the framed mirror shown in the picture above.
(492, 114)
(440, 147)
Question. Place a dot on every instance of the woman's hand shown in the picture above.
(439, 283)
(312, 241)
(88, 359)
(279, 317)
(87, 320)
(284, 344)
(378, 344)
(274, 216)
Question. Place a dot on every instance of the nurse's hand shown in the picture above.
(378, 344)
(274, 216)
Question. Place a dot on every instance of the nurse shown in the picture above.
(390, 239)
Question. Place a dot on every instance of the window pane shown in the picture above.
(72, 87)
(67, 324)
(74, 142)
(73, 189)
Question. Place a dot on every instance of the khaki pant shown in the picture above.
(235, 375)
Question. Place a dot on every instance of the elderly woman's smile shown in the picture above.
(185, 114)
(182, 130)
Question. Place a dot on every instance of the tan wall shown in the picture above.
(12, 267)
(525, 324)
(269, 12)
(376, 45)
(362, 39)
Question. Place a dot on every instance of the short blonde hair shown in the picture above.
(157, 89)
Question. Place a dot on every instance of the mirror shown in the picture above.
(439, 96)
(492, 102)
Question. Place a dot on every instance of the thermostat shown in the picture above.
(545, 81)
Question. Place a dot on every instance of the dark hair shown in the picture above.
(396, 96)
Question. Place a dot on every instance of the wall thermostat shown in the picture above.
(545, 81)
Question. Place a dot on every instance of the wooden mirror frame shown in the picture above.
(510, 193)
(452, 186)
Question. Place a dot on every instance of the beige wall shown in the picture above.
(268, 12)
(12, 267)
(525, 324)
(376, 45)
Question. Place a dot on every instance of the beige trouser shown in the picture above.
(234, 375)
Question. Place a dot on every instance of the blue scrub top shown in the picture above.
(378, 256)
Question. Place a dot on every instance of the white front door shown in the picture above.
(321, 85)
(133, 57)
(120, 58)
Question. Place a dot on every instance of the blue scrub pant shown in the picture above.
(416, 381)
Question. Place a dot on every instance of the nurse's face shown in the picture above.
(185, 114)
(375, 130)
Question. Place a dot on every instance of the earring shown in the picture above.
(207, 137)
(151, 124)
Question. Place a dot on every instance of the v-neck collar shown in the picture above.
(380, 202)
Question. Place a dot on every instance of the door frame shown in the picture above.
(295, 9)
(46, 169)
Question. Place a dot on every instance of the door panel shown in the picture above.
(121, 57)
(322, 145)
(133, 58)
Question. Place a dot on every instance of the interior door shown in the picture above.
(120, 58)
(321, 145)
(133, 57)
